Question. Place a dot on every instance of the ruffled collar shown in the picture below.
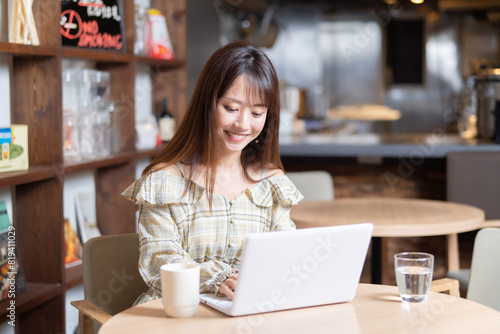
(162, 187)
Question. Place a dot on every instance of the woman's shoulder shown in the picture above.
(273, 171)
(276, 188)
(270, 171)
(162, 185)
(171, 168)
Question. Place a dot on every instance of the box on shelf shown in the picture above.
(158, 39)
(14, 148)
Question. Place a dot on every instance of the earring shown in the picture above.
(256, 141)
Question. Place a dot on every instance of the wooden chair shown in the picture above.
(315, 185)
(111, 279)
(446, 285)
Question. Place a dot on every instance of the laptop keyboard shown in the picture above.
(220, 302)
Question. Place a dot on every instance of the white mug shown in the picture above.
(180, 286)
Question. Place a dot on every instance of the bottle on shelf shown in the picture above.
(166, 122)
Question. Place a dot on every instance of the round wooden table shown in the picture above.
(394, 217)
(375, 309)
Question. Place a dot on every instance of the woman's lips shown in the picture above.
(235, 136)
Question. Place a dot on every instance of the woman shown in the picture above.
(219, 178)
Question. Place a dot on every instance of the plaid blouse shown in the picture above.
(176, 227)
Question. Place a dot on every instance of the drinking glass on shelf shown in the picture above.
(115, 112)
(141, 18)
(71, 100)
(101, 93)
(102, 133)
(87, 114)
(70, 137)
(414, 275)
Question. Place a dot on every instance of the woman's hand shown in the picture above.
(227, 287)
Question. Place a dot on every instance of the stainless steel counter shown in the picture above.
(431, 145)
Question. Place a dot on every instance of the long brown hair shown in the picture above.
(195, 143)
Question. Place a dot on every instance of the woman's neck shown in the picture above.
(230, 162)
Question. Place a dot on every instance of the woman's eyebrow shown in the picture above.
(260, 104)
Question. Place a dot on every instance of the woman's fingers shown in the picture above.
(227, 287)
(225, 290)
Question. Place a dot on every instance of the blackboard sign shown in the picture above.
(92, 24)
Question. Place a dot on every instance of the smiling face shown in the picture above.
(240, 116)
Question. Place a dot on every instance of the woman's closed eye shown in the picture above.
(231, 109)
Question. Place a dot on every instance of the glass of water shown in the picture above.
(414, 275)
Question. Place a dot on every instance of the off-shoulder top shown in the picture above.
(177, 226)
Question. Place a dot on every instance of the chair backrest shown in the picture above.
(473, 178)
(484, 279)
(315, 185)
(111, 278)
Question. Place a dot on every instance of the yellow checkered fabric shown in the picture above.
(176, 227)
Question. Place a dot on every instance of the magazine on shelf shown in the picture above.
(12, 280)
(73, 246)
(86, 216)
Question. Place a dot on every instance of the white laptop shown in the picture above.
(293, 269)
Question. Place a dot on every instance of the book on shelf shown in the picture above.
(86, 216)
(73, 246)
(12, 280)
(4, 217)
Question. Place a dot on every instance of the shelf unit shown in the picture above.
(37, 194)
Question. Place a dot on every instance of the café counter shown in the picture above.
(431, 145)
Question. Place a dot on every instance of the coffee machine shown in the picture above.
(488, 106)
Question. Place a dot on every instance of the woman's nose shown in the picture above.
(242, 119)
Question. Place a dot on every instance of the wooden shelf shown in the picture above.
(35, 74)
(151, 153)
(161, 63)
(97, 55)
(114, 160)
(36, 294)
(33, 174)
(28, 50)
(73, 276)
